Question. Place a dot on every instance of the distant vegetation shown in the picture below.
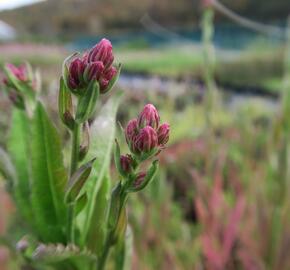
(67, 18)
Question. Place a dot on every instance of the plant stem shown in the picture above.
(70, 223)
(75, 148)
(104, 256)
(74, 165)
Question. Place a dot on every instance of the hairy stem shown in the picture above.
(75, 148)
(74, 165)
(104, 256)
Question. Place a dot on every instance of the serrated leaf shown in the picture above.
(57, 255)
(18, 148)
(102, 138)
(49, 178)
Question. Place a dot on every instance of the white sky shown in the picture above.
(9, 4)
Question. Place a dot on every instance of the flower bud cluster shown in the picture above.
(20, 81)
(145, 138)
(96, 64)
(145, 134)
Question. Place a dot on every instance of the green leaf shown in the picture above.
(65, 65)
(57, 254)
(97, 231)
(77, 181)
(18, 148)
(7, 169)
(87, 102)
(102, 138)
(81, 203)
(65, 107)
(48, 178)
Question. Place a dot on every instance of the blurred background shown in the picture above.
(219, 73)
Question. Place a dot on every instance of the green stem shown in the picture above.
(104, 256)
(74, 165)
(70, 223)
(117, 202)
(75, 148)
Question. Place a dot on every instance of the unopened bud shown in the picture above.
(103, 52)
(94, 71)
(107, 76)
(20, 73)
(163, 134)
(22, 245)
(146, 140)
(131, 131)
(148, 117)
(75, 75)
(139, 179)
(127, 163)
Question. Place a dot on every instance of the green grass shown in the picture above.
(258, 68)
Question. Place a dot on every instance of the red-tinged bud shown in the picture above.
(19, 72)
(94, 70)
(131, 131)
(163, 134)
(149, 117)
(139, 179)
(107, 76)
(103, 52)
(146, 140)
(76, 71)
(126, 163)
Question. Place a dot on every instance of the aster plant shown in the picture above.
(71, 217)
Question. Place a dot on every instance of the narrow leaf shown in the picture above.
(77, 181)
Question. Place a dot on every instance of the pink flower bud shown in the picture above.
(19, 72)
(76, 71)
(163, 134)
(107, 76)
(146, 140)
(94, 70)
(148, 117)
(126, 163)
(103, 52)
(131, 131)
(139, 179)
